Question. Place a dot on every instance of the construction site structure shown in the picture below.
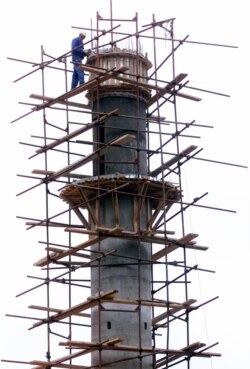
(115, 265)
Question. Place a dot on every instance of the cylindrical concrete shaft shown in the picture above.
(118, 159)
(122, 271)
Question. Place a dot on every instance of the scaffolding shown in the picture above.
(70, 188)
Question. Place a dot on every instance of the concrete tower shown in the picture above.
(121, 198)
(123, 165)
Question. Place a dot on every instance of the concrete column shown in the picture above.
(122, 272)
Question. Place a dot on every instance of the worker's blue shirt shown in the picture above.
(77, 48)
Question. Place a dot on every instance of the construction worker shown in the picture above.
(78, 54)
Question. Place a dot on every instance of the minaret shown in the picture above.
(121, 198)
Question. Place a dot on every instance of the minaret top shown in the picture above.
(132, 71)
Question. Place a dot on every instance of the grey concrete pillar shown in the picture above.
(121, 271)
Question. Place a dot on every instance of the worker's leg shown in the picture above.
(75, 79)
(80, 75)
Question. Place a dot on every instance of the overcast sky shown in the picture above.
(26, 25)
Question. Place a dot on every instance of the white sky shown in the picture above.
(26, 25)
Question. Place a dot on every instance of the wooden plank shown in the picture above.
(172, 246)
(189, 97)
(191, 348)
(173, 357)
(100, 71)
(82, 344)
(50, 172)
(114, 341)
(63, 102)
(90, 347)
(109, 231)
(101, 151)
(131, 348)
(172, 161)
(77, 254)
(161, 217)
(74, 92)
(57, 250)
(182, 352)
(54, 310)
(91, 69)
(130, 82)
(91, 213)
(54, 249)
(44, 364)
(167, 89)
(78, 213)
(173, 310)
(162, 304)
(122, 140)
(143, 237)
(58, 362)
(74, 310)
(79, 131)
(71, 251)
(160, 207)
(194, 346)
(83, 87)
